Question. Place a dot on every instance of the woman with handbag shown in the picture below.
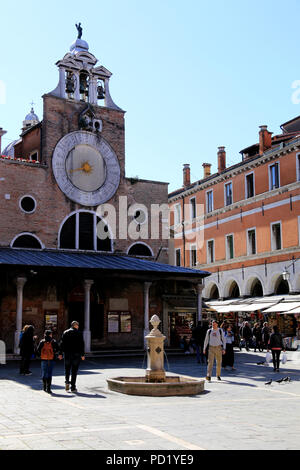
(276, 345)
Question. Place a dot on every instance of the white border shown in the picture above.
(176, 250)
(270, 177)
(248, 174)
(207, 251)
(76, 213)
(227, 248)
(140, 243)
(35, 204)
(191, 208)
(23, 248)
(271, 234)
(113, 172)
(248, 243)
(226, 184)
(193, 248)
(206, 201)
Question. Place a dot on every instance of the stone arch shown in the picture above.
(232, 289)
(277, 285)
(281, 287)
(254, 287)
(212, 291)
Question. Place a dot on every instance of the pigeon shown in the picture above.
(260, 363)
(268, 383)
(287, 379)
(279, 380)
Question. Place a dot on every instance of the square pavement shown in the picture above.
(238, 413)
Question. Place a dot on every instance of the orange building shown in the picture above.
(243, 222)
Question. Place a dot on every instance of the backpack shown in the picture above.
(210, 330)
(47, 353)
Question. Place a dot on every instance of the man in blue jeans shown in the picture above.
(72, 346)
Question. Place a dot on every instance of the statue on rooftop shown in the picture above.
(79, 29)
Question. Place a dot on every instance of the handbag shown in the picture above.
(284, 358)
(268, 357)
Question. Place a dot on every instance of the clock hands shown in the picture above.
(86, 167)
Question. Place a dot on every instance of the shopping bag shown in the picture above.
(268, 357)
(284, 358)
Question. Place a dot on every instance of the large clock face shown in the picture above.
(86, 168)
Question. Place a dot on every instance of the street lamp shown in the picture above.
(286, 274)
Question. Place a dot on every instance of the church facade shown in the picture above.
(78, 239)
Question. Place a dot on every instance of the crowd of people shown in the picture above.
(71, 348)
(216, 343)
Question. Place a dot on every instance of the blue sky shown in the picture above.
(192, 76)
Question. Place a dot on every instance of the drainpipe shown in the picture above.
(183, 232)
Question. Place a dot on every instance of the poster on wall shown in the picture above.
(119, 322)
(112, 323)
(125, 322)
(51, 320)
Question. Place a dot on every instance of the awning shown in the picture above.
(100, 261)
(274, 304)
(283, 307)
(294, 310)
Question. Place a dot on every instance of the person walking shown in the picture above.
(246, 334)
(215, 342)
(27, 349)
(257, 333)
(265, 335)
(198, 337)
(228, 357)
(47, 350)
(276, 345)
(72, 347)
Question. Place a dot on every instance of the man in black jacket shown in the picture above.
(246, 334)
(72, 346)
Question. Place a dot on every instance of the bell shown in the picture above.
(70, 86)
(101, 94)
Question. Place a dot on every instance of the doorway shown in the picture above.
(180, 326)
(76, 312)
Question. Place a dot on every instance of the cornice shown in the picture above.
(247, 258)
(243, 167)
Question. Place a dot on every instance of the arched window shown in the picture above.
(140, 249)
(26, 240)
(84, 230)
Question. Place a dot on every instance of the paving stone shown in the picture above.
(239, 412)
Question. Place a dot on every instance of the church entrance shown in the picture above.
(76, 312)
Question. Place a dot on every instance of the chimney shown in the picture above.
(221, 159)
(186, 175)
(2, 132)
(265, 139)
(206, 167)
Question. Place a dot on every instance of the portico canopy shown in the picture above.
(105, 262)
